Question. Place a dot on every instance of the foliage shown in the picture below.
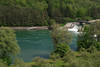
(16, 16)
(60, 36)
(47, 12)
(72, 59)
(20, 63)
(2, 64)
(70, 19)
(36, 12)
(8, 44)
(51, 22)
(87, 39)
(87, 18)
(62, 49)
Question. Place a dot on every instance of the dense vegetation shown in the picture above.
(8, 44)
(39, 12)
(47, 12)
(70, 60)
(90, 37)
(62, 55)
(61, 39)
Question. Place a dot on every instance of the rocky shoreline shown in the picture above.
(31, 28)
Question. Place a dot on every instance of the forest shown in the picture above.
(17, 13)
(40, 12)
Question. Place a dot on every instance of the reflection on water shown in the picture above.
(37, 43)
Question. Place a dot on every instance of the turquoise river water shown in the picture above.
(35, 43)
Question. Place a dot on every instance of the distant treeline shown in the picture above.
(39, 12)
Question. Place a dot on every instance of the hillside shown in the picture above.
(39, 12)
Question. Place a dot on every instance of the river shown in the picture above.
(35, 43)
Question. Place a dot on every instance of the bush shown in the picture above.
(3, 64)
(20, 63)
(60, 35)
(62, 49)
(69, 19)
(87, 18)
(8, 44)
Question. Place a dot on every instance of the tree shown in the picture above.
(90, 37)
(85, 40)
(8, 44)
(60, 35)
(62, 49)
(82, 12)
(61, 38)
(95, 30)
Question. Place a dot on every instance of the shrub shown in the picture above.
(8, 44)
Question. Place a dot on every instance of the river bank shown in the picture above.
(31, 28)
